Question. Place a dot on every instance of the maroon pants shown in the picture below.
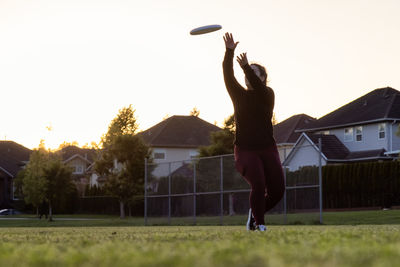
(262, 169)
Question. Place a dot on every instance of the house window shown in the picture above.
(159, 155)
(78, 169)
(359, 133)
(381, 131)
(348, 134)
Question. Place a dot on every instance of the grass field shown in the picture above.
(372, 245)
(329, 218)
(367, 238)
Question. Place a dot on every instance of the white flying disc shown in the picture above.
(205, 29)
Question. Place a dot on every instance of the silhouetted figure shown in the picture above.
(256, 154)
(43, 210)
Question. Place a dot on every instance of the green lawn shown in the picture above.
(362, 245)
(329, 218)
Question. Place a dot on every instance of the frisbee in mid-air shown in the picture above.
(205, 29)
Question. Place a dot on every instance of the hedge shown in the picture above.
(354, 185)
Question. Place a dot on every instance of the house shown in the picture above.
(285, 133)
(13, 157)
(176, 139)
(362, 130)
(81, 161)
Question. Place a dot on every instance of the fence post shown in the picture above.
(284, 195)
(194, 192)
(222, 190)
(145, 191)
(320, 179)
(169, 193)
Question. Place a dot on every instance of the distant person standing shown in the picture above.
(43, 210)
(256, 154)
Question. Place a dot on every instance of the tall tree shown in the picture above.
(122, 159)
(59, 183)
(221, 141)
(45, 179)
(124, 123)
(33, 181)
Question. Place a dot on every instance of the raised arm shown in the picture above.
(253, 79)
(231, 83)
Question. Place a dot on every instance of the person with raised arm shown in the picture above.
(256, 154)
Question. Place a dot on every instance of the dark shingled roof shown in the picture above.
(284, 132)
(180, 131)
(380, 104)
(334, 149)
(376, 153)
(13, 156)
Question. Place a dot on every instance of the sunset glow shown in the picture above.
(67, 67)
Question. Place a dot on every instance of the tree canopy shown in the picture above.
(45, 180)
(194, 112)
(121, 160)
(221, 141)
(123, 124)
(32, 180)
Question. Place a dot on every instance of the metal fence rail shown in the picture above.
(148, 194)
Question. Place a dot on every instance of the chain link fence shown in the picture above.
(210, 191)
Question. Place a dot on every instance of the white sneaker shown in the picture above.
(250, 225)
(261, 228)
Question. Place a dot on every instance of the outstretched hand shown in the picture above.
(242, 59)
(229, 42)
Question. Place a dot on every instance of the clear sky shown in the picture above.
(72, 64)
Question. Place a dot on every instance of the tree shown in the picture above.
(221, 141)
(122, 159)
(194, 112)
(18, 183)
(274, 121)
(221, 144)
(125, 123)
(45, 179)
(58, 183)
(33, 181)
(67, 144)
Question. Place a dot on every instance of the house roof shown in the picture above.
(376, 153)
(333, 149)
(186, 170)
(179, 131)
(379, 105)
(331, 146)
(13, 156)
(284, 132)
(70, 152)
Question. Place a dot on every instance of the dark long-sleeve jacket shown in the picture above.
(253, 108)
